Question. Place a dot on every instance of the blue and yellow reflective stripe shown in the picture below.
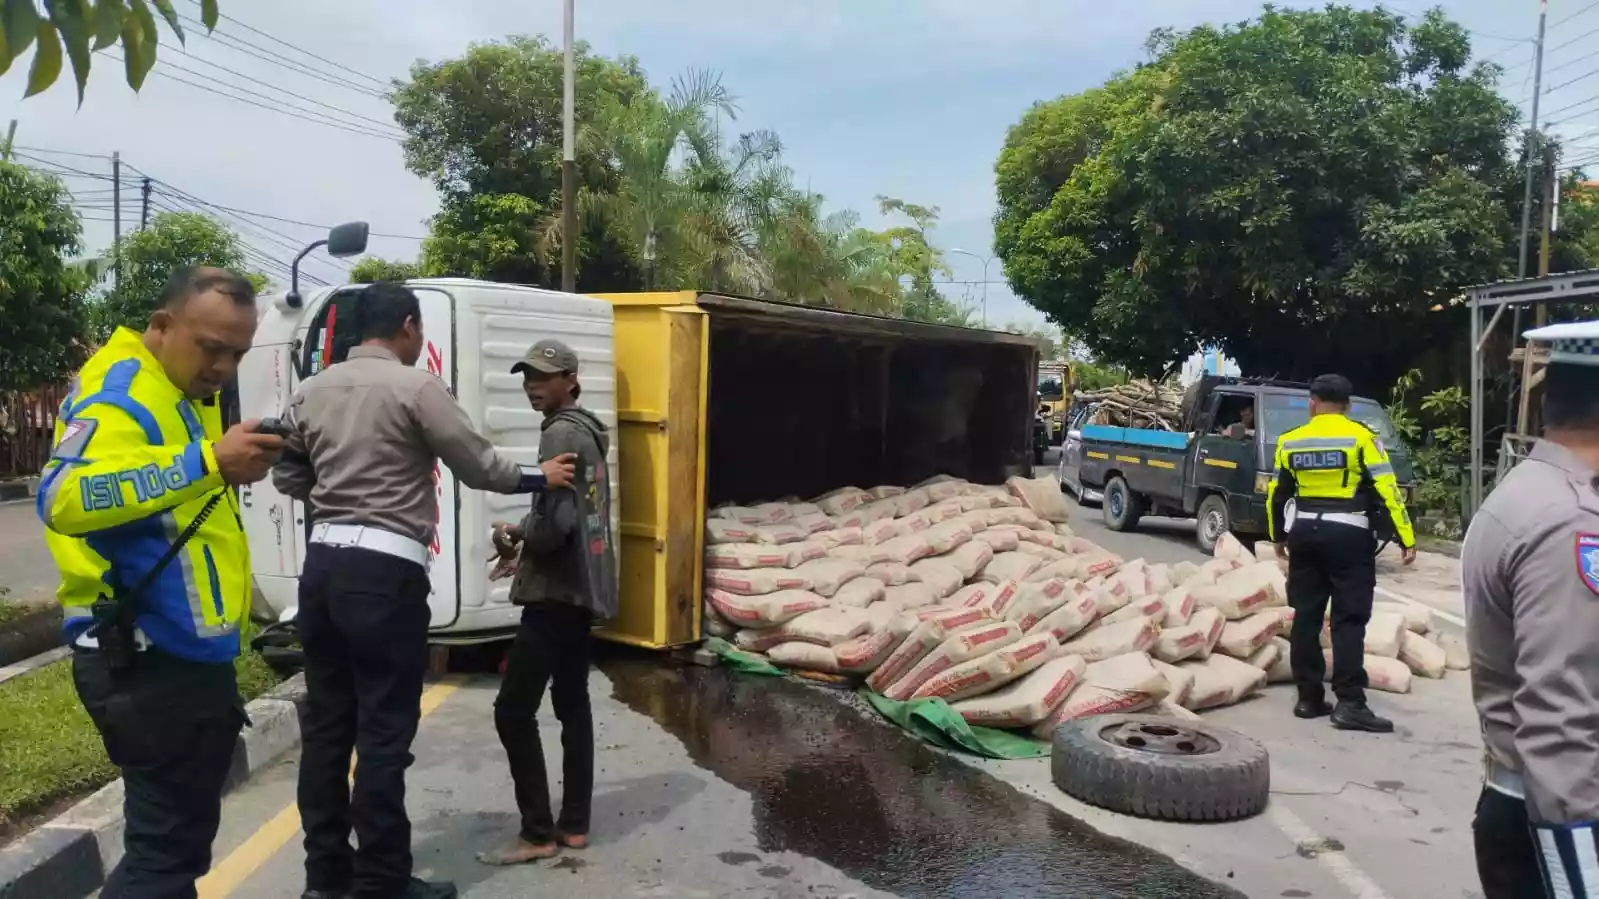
(1130, 460)
(1304, 444)
(1161, 463)
(1096, 455)
(1221, 463)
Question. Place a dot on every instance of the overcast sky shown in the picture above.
(908, 98)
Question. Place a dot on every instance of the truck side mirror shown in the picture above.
(348, 239)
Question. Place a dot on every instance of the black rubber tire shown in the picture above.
(1122, 507)
(1205, 533)
(1229, 783)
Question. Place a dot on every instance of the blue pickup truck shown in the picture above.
(1216, 470)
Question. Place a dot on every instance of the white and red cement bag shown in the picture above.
(1182, 571)
(727, 530)
(827, 576)
(1108, 596)
(1143, 607)
(961, 646)
(1456, 658)
(742, 514)
(1421, 655)
(865, 653)
(1178, 643)
(1022, 516)
(911, 595)
(943, 538)
(1109, 640)
(1125, 683)
(1179, 681)
(885, 491)
(1265, 657)
(1160, 578)
(1034, 601)
(892, 574)
(1048, 554)
(1048, 539)
(1029, 699)
(837, 537)
(991, 671)
(994, 599)
(861, 554)
(969, 558)
(907, 549)
(1133, 575)
(859, 593)
(940, 576)
(1178, 603)
(1382, 673)
(1215, 568)
(1067, 568)
(1281, 671)
(1010, 566)
(886, 617)
(824, 627)
(1242, 592)
(1000, 541)
(806, 656)
(1383, 634)
(812, 522)
(715, 625)
(882, 531)
(911, 502)
(1220, 680)
(768, 610)
(1168, 709)
(1230, 548)
(749, 555)
(1244, 637)
(1067, 620)
(1418, 620)
(1041, 496)
(1210, 621)
(781, 533)
(1091, 565)
(842, 500)
(755, 581)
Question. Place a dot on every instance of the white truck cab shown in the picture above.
(475, 331)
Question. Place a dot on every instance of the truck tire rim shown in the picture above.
(1162, 739)
(1116, 503)
(1214, 525)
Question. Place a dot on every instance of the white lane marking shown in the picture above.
(1450, 617)
(1337, 863)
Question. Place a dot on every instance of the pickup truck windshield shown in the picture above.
(1283, 412)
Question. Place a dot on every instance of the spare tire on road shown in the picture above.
(1157, 767)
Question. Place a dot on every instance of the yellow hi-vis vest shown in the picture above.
(132, 467)
(1328, 465)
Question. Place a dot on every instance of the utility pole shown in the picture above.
(569, 157)
(5, 148)
(1551, 200)
(144, 204)
(1532, 137)
(116, 217)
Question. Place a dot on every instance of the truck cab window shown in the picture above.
(1233, 409)
(333, 332)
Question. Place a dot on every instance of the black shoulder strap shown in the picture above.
(127, 599)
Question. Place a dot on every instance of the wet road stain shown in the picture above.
(775, 871)
(568, 863)
(880, 806)
(737, 858)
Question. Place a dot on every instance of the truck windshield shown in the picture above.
(1284, 412)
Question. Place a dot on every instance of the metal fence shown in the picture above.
(27, 425)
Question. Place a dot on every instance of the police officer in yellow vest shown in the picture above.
(140, 464)
(1341, 482)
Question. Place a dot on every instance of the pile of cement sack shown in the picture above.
(982, 596)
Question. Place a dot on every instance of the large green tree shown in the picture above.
(42, 314)
(1299, 189)
(77, 29)
(370, 269)
(146, 258)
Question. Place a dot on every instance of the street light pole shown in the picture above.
(985, 260)
(569, 157)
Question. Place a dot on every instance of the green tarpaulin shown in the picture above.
(933, 721)
(739, 660)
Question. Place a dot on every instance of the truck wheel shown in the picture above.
(1122, 506)
(1156, 767)
(1214, 520)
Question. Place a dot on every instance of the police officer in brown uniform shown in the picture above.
(365, 435)
(1530, 571)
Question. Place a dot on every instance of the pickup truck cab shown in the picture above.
(1216, 471)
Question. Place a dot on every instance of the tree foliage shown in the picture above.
(41, 295)
(148, 257)
(1300, 190)
(78, 29)
(372, 269)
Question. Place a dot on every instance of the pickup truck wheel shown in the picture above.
(1123, 508)
(1214, 520)
(1160, 768)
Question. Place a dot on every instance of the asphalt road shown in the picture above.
(25, 564)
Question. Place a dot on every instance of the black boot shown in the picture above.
(325, 894)
(1312, 707)
(421, 889)
(1352, 715)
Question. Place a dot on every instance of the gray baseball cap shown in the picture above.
(551, 357)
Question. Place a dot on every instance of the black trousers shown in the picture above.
(172, 726)
(1333, 562)
(1507, 858)
(552, 649)
(363, 621)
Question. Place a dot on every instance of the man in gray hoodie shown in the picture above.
(566, 583)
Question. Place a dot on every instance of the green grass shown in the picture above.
(49, 749)
(11, 609)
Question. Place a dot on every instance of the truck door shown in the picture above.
(1224, 463)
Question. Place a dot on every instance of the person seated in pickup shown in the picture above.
(1245, 415)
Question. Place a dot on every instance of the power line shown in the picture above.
(1571, 62)
(63, 153)
(288, 243)
(272, 56)
(306, 52)
(1575, 14)
(1562, 84)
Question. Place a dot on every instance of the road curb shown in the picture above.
(69, 857)
(18, 490)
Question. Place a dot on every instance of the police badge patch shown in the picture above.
(1588, 560)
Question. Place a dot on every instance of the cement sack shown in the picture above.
(886, 491)
(755, 581)
(812, 522)
(1160, 578)
(943, 538)
(1178, 606)
(1107, 597)
(995, 600)
(827, 576)
(1048, 554)
(939, 575)
(1456, 657)
(911, 501)
(1230, 547)
(1000, 541)
(913, 595)
(908, 549)
(1114, 639)
(962, 646)
(1241, 593)
(938, 491)
(969, 558)
(936, 514)
(989, 672)
(1266, 657)
(923, 639)
(1011, 566)
(1244, 637)
(859, 553)
(864, 653)
(1282, 670)
(859, 593)
(1067, 620)
(750, 555)
(726, 530)
(1266, 554)
(1178, 643)
(805, 656)
(892, 574)
(1133, 575)
(842, 500)
(1143, 607)
(1095, 564)
(1182, 571)
(1210, 621)
(1383, 633)
(713, 622)
(1382, 673)
(1045, 571)
(1218, 567)
(1027, 700)
(887, 617)
(837, 537)
(1168, 709)
(769, 610)
(1048, 539)
(882, 531)
(855, 518)
(824, 627)
(1041, 496)
(1220, 680)
(1179, 681)
(1418, 620)
(1083, 546)
(797, 508)
(1064, 530)
(743, 515)
(1125, 683)
(951, 619)
(1022, 516)
(1034, 601)
(1422, 656)
(880, 510)
(781, 533)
